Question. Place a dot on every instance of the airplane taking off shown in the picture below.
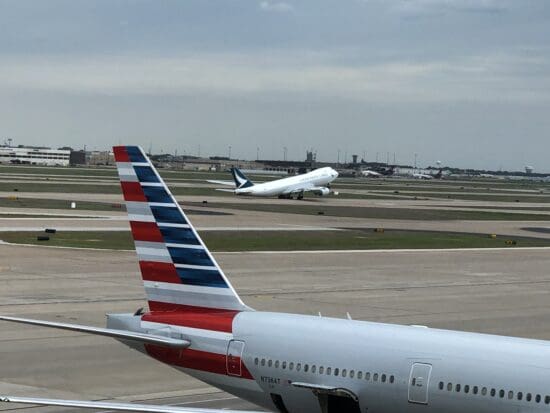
(317, 182)
(292, 363)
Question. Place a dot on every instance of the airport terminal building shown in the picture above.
(34, 156)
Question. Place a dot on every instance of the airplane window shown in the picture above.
(336, 371)
(510, 394)
(263, 362)
(298, 367)
(520, 395)
(256, 361)
(413, 381)
(277, 364)
(392, 379)
(313, 369)
(367, 376)
(344, 373)
(528, 397)
(493, 392)
(269, 363)
(467, 389)
(375, 376)
(291, 366)
(351, 374)
(547, 400)
(441, 385)
(383, 378)
(457, 387)
(484, 391)
(449, 386)
(321, 370)
(537, 398)
(475, 389)
(359, 375)
(329, 371)
(306, 368)
(501, 393)
(284, 365)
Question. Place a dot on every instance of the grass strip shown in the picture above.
(286, 240)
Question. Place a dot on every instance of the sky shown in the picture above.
(464, 82)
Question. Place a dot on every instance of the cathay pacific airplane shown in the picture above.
(317, 182)
(292, 363)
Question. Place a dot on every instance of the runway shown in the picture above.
(500, 292)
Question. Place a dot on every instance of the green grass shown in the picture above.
(285, 240)
(379, 213)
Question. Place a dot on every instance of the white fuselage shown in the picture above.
(319, 178)
(389, 368)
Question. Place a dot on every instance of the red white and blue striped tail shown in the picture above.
(179, 273)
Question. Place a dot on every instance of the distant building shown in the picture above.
(22, 155)
(77, 157)
(529, 170)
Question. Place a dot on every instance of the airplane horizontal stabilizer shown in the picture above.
(126, 407)
(108, 332)
(225, 190)
(228, 183)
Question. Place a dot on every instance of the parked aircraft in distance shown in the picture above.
(317, 182)
(292, 363)
(438, 175)
(370, 174)
(378, 173)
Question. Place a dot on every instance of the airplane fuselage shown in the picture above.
(317, 178)
(388, 368)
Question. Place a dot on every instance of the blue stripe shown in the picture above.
(190, 256)
(170, 215)
(178, 236)
(135, 154)
(146, 174)
(204, 278)
(156, 194)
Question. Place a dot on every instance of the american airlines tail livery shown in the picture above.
(317, 182)
(197, 324)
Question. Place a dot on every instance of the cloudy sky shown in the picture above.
(466, 82)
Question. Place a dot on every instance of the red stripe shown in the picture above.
(159, 271)
(121, 155)
(194, 317)
(146, 231)
(194, 359)
(133, 192)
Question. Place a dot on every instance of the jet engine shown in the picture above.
(322, 192)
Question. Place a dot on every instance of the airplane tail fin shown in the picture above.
(178, 270)
(241, 181)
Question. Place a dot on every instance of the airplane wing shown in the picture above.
(108, 332)
(228, 183)
(126, 407)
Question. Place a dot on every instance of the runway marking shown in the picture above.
(421, 250)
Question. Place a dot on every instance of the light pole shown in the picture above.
(338, 156)
(285, 149)
(415, 159)
(229, 152)
(257, 153)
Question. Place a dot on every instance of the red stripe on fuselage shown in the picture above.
(214, 319)
(132, 191)
(195, 359)
(159, 271)
(121, 155)
(146, 231)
